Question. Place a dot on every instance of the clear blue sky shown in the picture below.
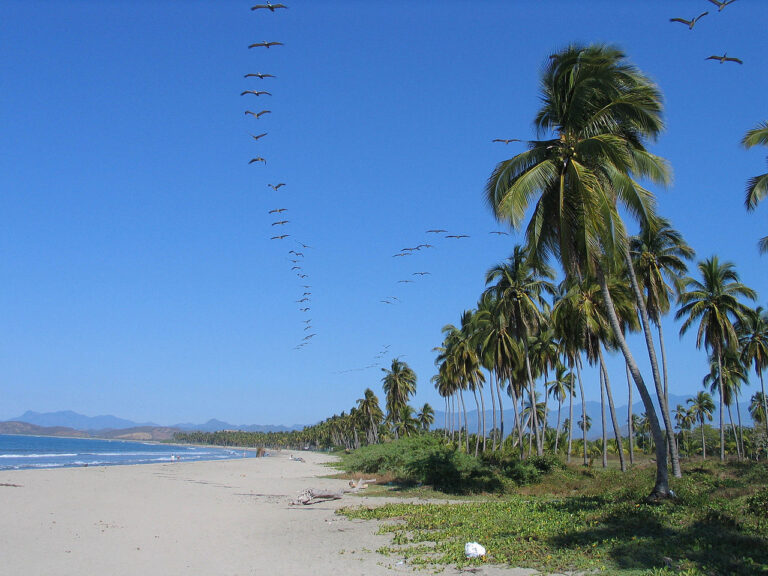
(138, 274)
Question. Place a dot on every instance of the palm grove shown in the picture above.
(574, 193)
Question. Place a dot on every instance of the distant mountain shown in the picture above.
(26, 429)
(102, 424)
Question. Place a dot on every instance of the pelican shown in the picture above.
(257, 114)
(280, 222)
(421, 273)
(255, 92)
(721, 5)
(689, 23)
(280, 237)
(277, 210)
(275, 187)
(260, 136)
(304, 309)
(499, 233)
(436, 231)
(405, 281)
(259, 75)
(507, 141)
(268, 6)
(259, 159)
(457, 236)
(724, 58)
(265, 44)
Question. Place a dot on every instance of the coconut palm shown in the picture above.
(757, 407)
(371, 415)
(426, 417)
(599, 111)
(560, 388)
(399, 384)
(757, 186)
(753, 341)
(713, 303)
(730, 373)
(702, 406)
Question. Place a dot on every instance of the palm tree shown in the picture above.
(519, 284)
(730, 373)
(757, 407)
(714, 303)
(599, 111)
(753, 341)
(757, 186)
(426, 417)
(702, 407)
(371, 415)
(406, 424)
(399, 385)
(560, 388)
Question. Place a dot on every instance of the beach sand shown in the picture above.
(224, 518)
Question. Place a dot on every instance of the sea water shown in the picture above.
(19, 452)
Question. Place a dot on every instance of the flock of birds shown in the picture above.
(280, 220)
(692, 22)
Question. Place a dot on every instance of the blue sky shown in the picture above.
(139, 277)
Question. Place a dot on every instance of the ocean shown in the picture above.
(20, 452)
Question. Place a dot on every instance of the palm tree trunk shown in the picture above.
(765, 402)
(583, 412)
(557, 429)
(493, 408)
(735, 434)
(546, 409)
(722, 404)
(570, 418)
(466, 426)
(501, 412)
(630, 424)
(663, 362)
(532, 391)
(614, 420)
(482, 410)
(703, 441)
(660, 392)
(661, 487)
(517, 424)
(741, 428)
(604, 431)
(477, 436)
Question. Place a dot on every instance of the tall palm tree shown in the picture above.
(756, 407)
(730, 373)
(560, 388)
(702, 407)
(599, 111)
(753, 341)
(658, 256)
(519, 284)
(713, 303)
(399, 384)
(371, 415)
(757, 186)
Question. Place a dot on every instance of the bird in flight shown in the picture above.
(721, 5)
(436, 231)
(457, 236)
(302, 275)
(293, 252)
(507, 141)
(278, 210)
(307, 294)
(689, 23)
(280, 237)
(296, 268)
(724, 58)
(304, 309)
(421, 273)
(401, 254)
(257, 114)
(307, 321)
(255, 92)
(268, 6)
(305, 245)
(307, 327)
(265, 44)
(499, 233)
(260, 136)
(308, 336)
(405, 281)
(275, 187)
(259, 159)
(303, 300)
(420, 246)
(260, 75)
(386, 301)
(280, 222)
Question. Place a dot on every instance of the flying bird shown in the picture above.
(307, 294)
(275, 187)
(689, 23)
(457, 236)
(278, 210)
(299, 254)
(303, 300)
(280, 222)
(296, 268)
(724, 58)
(304, 309)
(260, 136)
(257, 114)
(268, 6)
(259, 75)
(307, 321)
(280, 237)
(307, 287)
(302, 275)
(405, 281)
(259, 159)
(421, 273)
(721, 5)
(307, 327)
(308, 336)
(265, 44)
(499, 233)
(420, 246)
(255, 92)
(386, 301)
(436, 231)
(507, 141)
(305, 245)
(293, 252)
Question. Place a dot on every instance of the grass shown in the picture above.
(592, 519)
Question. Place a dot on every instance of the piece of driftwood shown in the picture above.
(315, 495)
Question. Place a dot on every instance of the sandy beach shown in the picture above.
(228, 518)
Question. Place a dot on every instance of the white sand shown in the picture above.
(225, 518)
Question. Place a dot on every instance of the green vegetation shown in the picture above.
(594, 519)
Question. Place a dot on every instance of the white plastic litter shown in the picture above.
(473, 550)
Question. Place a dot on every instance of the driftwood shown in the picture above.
(314, 495)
